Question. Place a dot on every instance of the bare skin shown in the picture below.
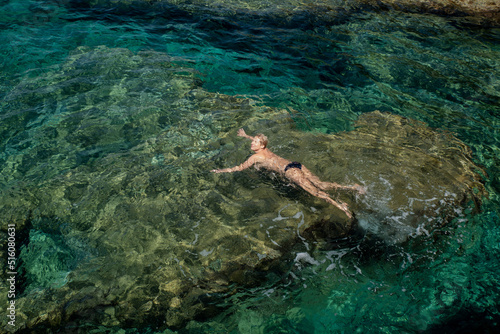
(264, 158)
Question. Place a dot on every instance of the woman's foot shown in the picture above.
(342, 206)
(360, 189)
(346, 210)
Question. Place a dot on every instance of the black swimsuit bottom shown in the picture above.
(293, 165)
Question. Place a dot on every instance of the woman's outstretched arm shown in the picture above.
(239, 168)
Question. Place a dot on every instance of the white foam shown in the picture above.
(305, 258)
(206, 253)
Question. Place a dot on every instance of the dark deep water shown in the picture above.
(325, 72)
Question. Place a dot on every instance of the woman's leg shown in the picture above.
(300, 178)
(316, 181)
(329, 185)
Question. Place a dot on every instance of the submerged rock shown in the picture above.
(113, 169)
(116, 175)
(453, 7)
(482, 11)
(417, 178)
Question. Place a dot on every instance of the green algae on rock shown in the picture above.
(151, 237)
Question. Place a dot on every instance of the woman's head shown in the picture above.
(263, 139)
(259, 142)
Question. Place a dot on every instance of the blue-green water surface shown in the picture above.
(324, 73)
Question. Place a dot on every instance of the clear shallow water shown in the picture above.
(423, 67)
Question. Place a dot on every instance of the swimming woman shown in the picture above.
(294, 171)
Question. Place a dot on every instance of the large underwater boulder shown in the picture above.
(121, 223)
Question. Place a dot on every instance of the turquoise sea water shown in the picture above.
(325, 72)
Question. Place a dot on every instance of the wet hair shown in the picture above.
(262, 138)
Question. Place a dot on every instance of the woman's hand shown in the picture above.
(242, 133)
(360, 189)
(217, 171)
(225, 170)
